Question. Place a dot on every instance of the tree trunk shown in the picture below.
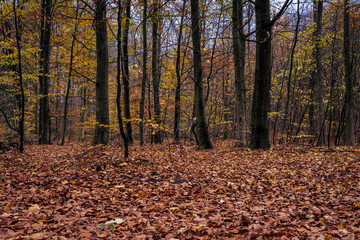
(349, 136)
(316, 108)
(102, 102)
(239, 65)
(292, 53)
(118, 81)
(261, 96)
(178, 79)
(144, 75)
(204, 139)
(156, 72)
(125, 73)
(45, 34)
(333, 79)
(21, 85)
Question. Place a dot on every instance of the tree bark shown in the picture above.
(144, 75)
(178, 79)
(316, 108)
(349, 136)
(239, 65)
(118, 81)
(204, 139)
(21, 85)
(292, 53)
(156, 72)
(125, 72)
(261, 96)
(45, 34)
(102, 102)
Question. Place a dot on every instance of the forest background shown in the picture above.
(68, 67)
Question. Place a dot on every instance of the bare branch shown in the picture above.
(7, 120)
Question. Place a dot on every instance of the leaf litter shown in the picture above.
(176, 192)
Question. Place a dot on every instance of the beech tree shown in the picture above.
(202, 129)
(177, 111)
(21, 98)
(239, 65)
(101, 135)
(144, 78)
(349, 93)
(126, 71)
(155, 68)
(261, 95)
(118, 82)
(44, 79)
(316, 109)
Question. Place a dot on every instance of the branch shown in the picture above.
(91, 8)
(280, 13)
(82, 75)
(83, 44)
(7, 120)
(3, 89)
(152, 14)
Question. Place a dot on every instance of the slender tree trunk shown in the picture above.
(125, 72)
(349, 136)
(332, 80)
(21, 85)
(68, 86)
(102, 102)
(178, 78)
(83, 91)
(44, 63)
(118, 81)
(293, 47)
(149, 106)
(144, 75)
(239, 64)
(156, 71)
(203, 135)
(316, 108)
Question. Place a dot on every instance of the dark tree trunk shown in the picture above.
(144, 75)
(204, 139)
(21, 85)
(178, 79)
(156, 72)
(239, 65)
(349, 136)
(102, 102)
(125, 72)
(261, 96)
(83, 94)
(316, 109)
(118, 81)
(45, 34)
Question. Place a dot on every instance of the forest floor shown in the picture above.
(176, 192)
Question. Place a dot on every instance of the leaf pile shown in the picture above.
(175, 192)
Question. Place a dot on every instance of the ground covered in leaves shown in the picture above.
(176, 192)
